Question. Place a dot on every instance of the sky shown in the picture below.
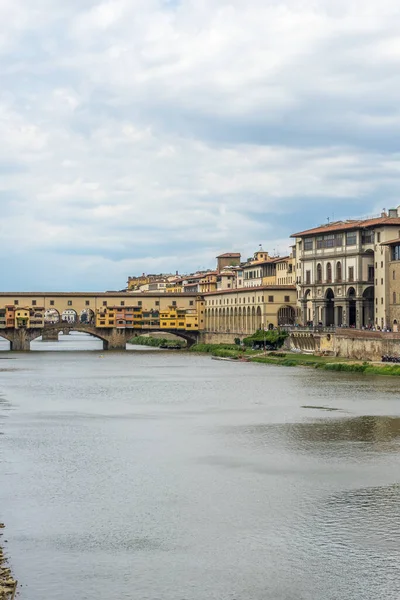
(151, 135)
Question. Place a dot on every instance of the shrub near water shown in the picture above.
(141, 340)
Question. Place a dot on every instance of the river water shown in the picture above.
(150, 475)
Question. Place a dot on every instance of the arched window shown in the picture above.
(329, 273)
(319, 273)
(339, 272)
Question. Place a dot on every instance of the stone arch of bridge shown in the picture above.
(71, 327)
(4, 336)
(190, 337)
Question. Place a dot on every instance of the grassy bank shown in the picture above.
(327, 363)
(141, 340)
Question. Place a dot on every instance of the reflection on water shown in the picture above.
(162, 476)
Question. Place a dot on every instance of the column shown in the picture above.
(346, 314)
(359, 313)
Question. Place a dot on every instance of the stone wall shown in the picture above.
(366, 345)
(207, 337)
(348, 343)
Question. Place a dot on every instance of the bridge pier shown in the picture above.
(19, 341)
(116, 340)
(50, 335)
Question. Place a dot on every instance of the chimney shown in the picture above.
(392, 212)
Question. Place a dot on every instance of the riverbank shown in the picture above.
(289, 359)
(8, 585)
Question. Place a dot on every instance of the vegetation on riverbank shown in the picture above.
(141, 340)
(327, 363)
(8, 585)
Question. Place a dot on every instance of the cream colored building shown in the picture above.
(244, 311)
(342, 271)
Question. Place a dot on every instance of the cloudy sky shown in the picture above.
(150, 135)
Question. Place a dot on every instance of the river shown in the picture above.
(149, 475)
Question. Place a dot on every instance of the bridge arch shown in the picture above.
(72, 327)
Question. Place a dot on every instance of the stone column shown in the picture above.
(346, 314)
(359, 313)
(304, 315)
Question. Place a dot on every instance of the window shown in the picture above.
(381, 300)
(228, 285)
(371, 272)
(102, 322)
(382, 281)
(173, 302)
(329, 273)
(339, 272)
(351, 273)
(104, 302)
(111, 322)
(367, 237)
(33, 302)
(319, 273)
(51, 302)
(379, 238)
(270, 298)
(69, 302)
(320, 242)
(338, 239)
(308, 244)
(181, 324)
(329, 241)
(140, 303)
(157, 303)
(394, 297)
(191, 303)
(308, 277)
(122, 303)
(16, 302)
(396, 252)
(87, 302)
(351, 238)
(394, 275)
(287, 298)
(381, 264)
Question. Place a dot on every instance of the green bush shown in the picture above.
(141, 340)
(274, 338)
(212, 347)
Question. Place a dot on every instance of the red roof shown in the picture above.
(346, 225)
(230, 255)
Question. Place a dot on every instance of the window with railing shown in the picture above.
(329, 273)
(319, 273)
(339, 272)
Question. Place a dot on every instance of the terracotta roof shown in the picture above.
(229, 255)
(390, 242)
(346, 225)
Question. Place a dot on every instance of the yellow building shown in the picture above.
(245, 310)
(22, 317)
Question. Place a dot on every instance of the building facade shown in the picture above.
(342, 272)
(244, 311)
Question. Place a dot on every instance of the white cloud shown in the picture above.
(149, 134)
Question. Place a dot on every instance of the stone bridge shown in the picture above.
(112, 338)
